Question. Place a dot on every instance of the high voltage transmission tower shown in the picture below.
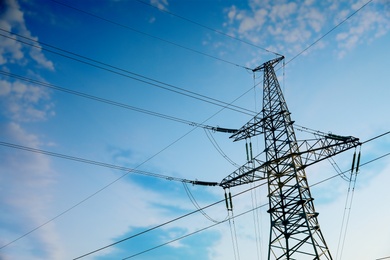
(295, 232)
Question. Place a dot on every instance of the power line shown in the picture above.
(363, 164)
(147, 34)
(252, 209)
(174, 142)
(165, 223)
(116, 180)
(106, 101)
(195, 232)
(219, 149)
(196, 205)
(123, 72)
(106, 165)
(208, 28)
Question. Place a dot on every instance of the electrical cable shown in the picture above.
(120, 241)
(190, 234)
(122, 168)
(195, 127)
(116, 180)
(123, 72)
(165, 223)
(256, 222)
(147, 34)
(145, 251)
(196, 205)
(102, 164)
(361, 165)
(232, 237)
(345, 207)
(337, 169)
(349, 206)
(378, 136)
(208, 28)
(218, 148)
(106, 101)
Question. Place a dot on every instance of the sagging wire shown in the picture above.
(218, 148)
(348, 203)
(249, 156)
(256, 221)
(196, 205)
(233, 232)
(337, 169)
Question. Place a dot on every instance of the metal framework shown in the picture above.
(295, 232)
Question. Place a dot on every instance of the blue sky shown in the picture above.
(339, 85)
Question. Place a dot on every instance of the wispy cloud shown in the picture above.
(12, 19)
(293, 26)
(26, 194)
(23, 102)
(160, 4)
(372, 23)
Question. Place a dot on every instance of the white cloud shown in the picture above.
(25, 102)
(26, 193)
(282, 11)
(5, 88)
(12, 19)
(371, 23)
(160, 4)
(295, 25)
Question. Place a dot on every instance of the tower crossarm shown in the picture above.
(311, 152)
(323, 147)
(252, 171)
(254, 127)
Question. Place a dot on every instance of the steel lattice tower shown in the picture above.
(295, 232)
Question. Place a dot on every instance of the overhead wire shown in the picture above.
(300, 53)
(147, 34)
(115, 180)
(232, 225)
(218, 148)
(164, 224)
(196, 205)
(263, 205)
(190, 234)
(104, 100)
(337, 169)
(255, 215)
(348, 203)
(101, 164)
(256, 223)
(124, 72)
(186, 135)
